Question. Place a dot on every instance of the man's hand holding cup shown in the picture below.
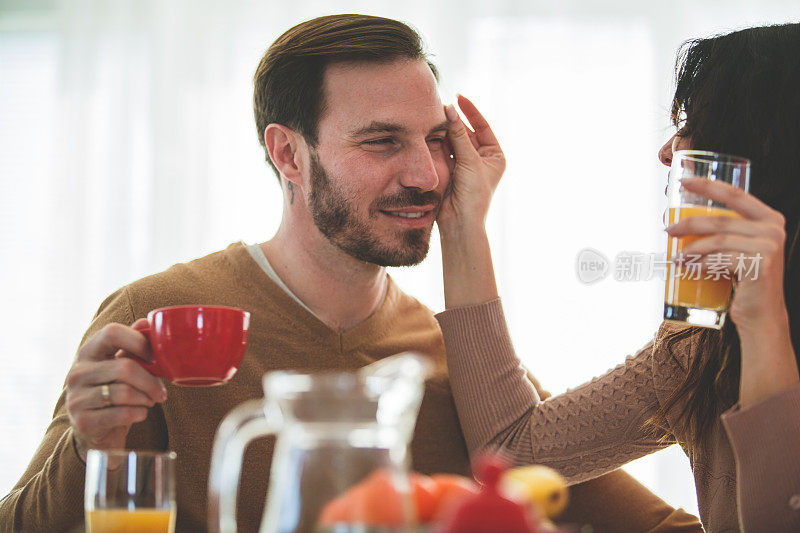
(115, 377)
(107, 390)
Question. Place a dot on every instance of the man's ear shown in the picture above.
(284, 146)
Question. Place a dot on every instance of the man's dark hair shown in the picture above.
(288, 81)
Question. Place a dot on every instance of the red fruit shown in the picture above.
(488, 510)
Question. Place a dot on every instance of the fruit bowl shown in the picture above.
(517, 500)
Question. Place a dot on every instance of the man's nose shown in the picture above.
(665, 154)
(420, 171)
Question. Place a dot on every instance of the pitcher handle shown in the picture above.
(249, 421)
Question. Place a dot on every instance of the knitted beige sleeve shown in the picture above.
(583, 433)
(765, 438)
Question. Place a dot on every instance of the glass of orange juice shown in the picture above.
(693, 295)
(130, 491)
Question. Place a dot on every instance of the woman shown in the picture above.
(731, 399)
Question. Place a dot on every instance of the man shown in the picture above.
(347, 109)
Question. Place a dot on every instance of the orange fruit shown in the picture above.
(376, 501)
(451, 489)
(425, 493)
(336, 511)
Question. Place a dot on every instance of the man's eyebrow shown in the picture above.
(442, 126)
(378, 127)
(388, 127)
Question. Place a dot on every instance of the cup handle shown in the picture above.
(151, 366)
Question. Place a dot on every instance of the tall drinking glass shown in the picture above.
(130, 492)
(693, 296)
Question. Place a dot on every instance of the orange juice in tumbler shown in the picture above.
(685, 287)
(124, 521)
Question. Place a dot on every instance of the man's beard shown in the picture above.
(337, 219)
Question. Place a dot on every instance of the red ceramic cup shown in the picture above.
(196, 345)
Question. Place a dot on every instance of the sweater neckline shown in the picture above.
(366, 332)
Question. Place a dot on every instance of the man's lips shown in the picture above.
(412, 216)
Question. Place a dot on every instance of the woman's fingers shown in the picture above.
(727, 256)
(745, 204)
(473, 139)
(708, 225)
(722, 265)
(730, 244)
(458, 136)
(483, 132)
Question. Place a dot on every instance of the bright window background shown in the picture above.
(127, 144)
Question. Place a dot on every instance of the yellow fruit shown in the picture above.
(539, 485)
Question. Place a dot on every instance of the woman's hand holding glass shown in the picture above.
(759, 236)
(758, 307)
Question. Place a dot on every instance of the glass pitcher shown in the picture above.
(334, 433)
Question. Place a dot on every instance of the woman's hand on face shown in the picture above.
(755, 241)
(476, 168)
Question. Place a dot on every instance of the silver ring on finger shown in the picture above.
(105, 392)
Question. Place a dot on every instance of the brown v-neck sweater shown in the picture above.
(283, 335)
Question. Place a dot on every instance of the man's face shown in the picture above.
(380, 169)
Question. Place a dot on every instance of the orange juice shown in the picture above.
(124, 521)
(687, 287)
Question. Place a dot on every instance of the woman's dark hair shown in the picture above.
(739, 93)
(289, 79)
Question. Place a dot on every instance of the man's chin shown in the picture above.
(399, 260)
(400, 257)
(412, 250)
